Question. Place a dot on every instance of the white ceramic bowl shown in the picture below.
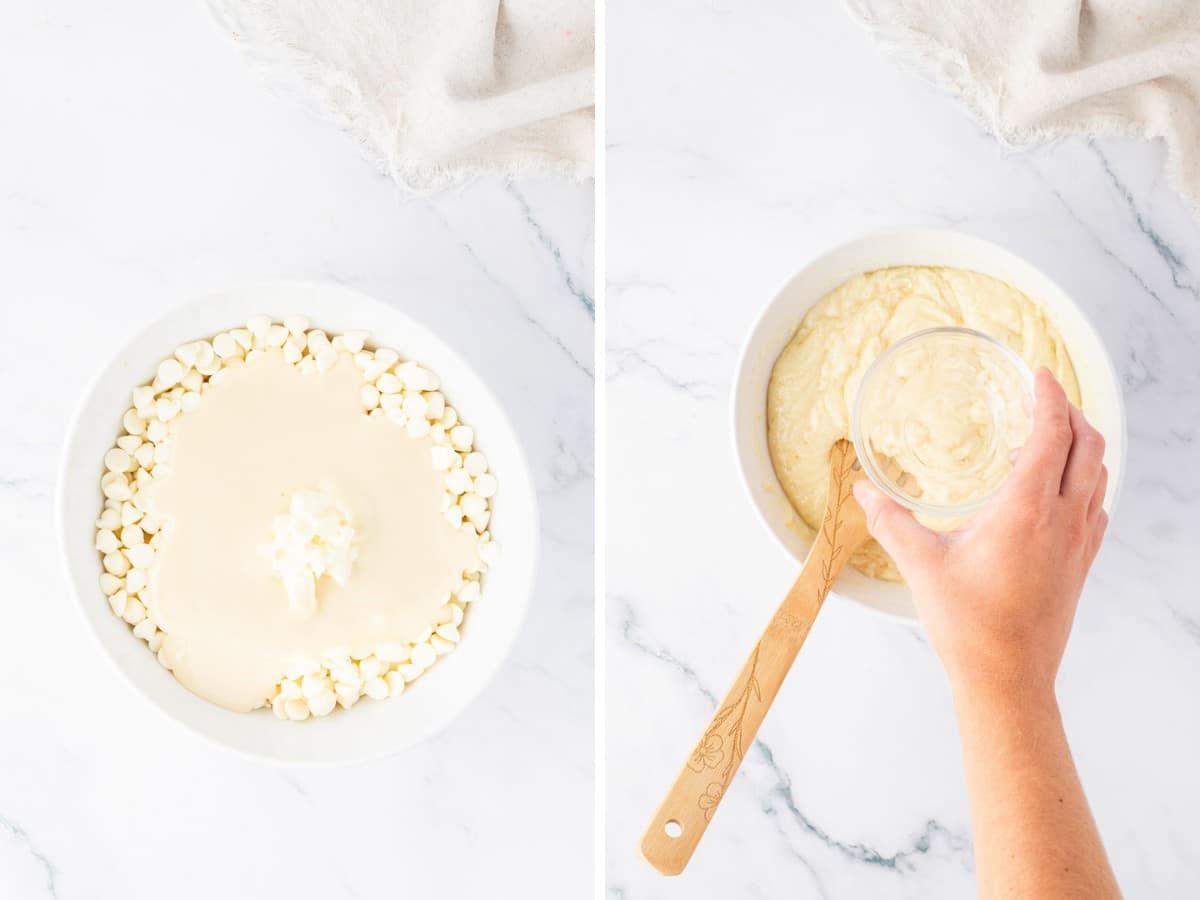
(1100, 390)
(373, 728)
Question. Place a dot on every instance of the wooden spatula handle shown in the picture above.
(681, 819)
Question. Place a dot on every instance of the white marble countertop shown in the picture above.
(142, 163)
(772, 131)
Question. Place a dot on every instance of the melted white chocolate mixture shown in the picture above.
(261, 435)
(293, 520)
(815, 379)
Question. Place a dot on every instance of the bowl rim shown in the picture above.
(931, 233)
(370, 753)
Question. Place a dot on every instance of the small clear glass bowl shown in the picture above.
(948, 406)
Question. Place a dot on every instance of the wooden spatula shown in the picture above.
(676, 829)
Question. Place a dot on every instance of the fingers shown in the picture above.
(1084, 462)
(905, 539)
(1097, 518)
(1096, 503)
(1040, 465)
(1096, 533)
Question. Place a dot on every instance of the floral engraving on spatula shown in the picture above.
(723, 743)
(842, 463)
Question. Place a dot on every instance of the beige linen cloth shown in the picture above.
(1035, 70)
(436, 91)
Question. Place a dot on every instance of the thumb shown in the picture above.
(905, 539)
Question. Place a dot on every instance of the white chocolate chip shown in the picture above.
(297, 325)
(469, 592)
(370, 396)
(316, 340)
(293, 352)
(115, 563)
(134, 611)
(374, 369)
(145, 455)
(140, 555)
(276, 336)
(133, 422)
(435, 406)
(211, 368)
(410, 672)
(117, 460)
(485, 485)
(143, 399)
(424, 655)
(166, 409)
(205, 355)
(297, 710)
(392, 652)
(462, 437)
(225, 346)
(130, 514)
(258, 325)
(475, 463)
(458, 481)
(389, 384)
(395, 683)
(414, 377)
(414, 405)
(376, 688)
(157, 431)
(186, 354)
(144, 629)
(106, 541)
(170, 372)
(244, 338)
(326, 359)
(315, 683)
(132, 536)
(110, 583)
(443, 458)
(322, 704)
(136, 581)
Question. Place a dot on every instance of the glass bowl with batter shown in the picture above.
(949, 407)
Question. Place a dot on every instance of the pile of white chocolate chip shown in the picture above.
(127, 533)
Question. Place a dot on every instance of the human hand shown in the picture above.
(998, 596)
